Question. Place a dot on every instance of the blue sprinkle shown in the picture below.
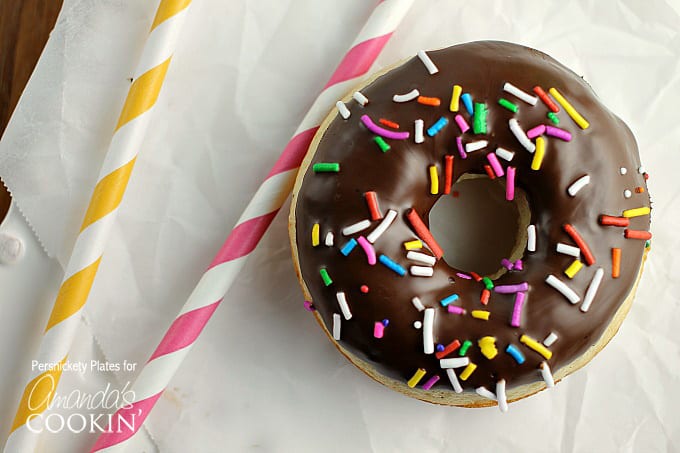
(438, 126)
(440, 347)
(392, 265)
(515, 353)
(447, 300)
(467, 102)
(385, 322)
(347, 248)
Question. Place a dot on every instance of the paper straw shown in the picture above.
(251, 226)
(100, 216)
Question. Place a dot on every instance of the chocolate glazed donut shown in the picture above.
(578, 182)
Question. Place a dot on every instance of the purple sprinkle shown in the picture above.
(506, 263)
(430, 382)
(385, 322)
(465, 276)
(509, 289)
(309, 306)
(461, 150)
(440, 347)
(517, 310)
(557, 132)
(456, 310)
(371, 126)
(536, 131)
(519, 265)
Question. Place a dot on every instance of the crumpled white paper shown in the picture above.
(263, 375)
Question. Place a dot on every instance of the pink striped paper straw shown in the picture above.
(250, 228)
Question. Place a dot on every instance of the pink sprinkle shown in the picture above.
(462, 124)
(456, 310)
(495, 164)
(465, 276)
(509, 289)
(517, 310)
(506, 263)
(371, 126)
(510, 185)
(309, 306)
(519, 265)
(368, 249)
(461, 149)
(364, 289)
(559, 133)
(536, 131)
(430, 382)
(378, 329)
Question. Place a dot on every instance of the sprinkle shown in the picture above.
(536, 131)
(508, 105)
(489, 172)
(531, 238)
(500, 396)
(448, 173)
(641, 169)
(451, 347)
(571, 111)
(476, 276)
(543, 96)
(515, 353)
(463, 349)
(463, 276)
(616, 262)
(413, 245)
(488, 284)
(382, 144)
(325, 277)
(438, 126)
(623, 170)
(510, 289)
(434, 180)
(356, 227)
(387, 262)
(342, 109)
(421, 271)
(342, 301)
(517, 309)
(455, 97)
(326, 167)
(348, 247)
(336, 326)
(607, 220)
(577, 185)
(388, 123)
(467, 102)
(315, 235)
(418, 304)
(562, 287)
(506, 263)
(573, 268)
(636, 212)
(476, 146)
(364, 289)
(429, 64)
(576, 237)
(382, 226)
(417, 376)
(547, 375)
(488, 347)
(434, 102)
(372, 202)
(495, 164)
(360, 98)
(421, 258)
(454, 309)
(592, 289)
(556, 132)
(330, 239)
(485, 393)
(457, 362)
(554, 118)
(378, 329)
(550, 339)
(519, 134)
(468, 371)
(462, 124)
(308, 306)
(449, 299)
(510, 185)
(368, 250)
(430, 382)
(428, 331)
(639, 189)
(519, 265)
(540, 153)
(371, 126)
(454, 380)
(536, 346)
(523, 95)
(637, 234)
(418, 324)
(411, 95)
(419, 125)
(480, 314)
(423, 232)
(484, 297)
(479, 118)
(504, 154)
(566, 249)
(461, 150)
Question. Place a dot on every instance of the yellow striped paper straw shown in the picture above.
(101, 213)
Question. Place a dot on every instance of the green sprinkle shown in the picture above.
(554, 118)
(463, 349)
(325, 277)
(508, 105)
(384, 147)
(326, 167)
(487, 283)
(479, 119)
(648, 243)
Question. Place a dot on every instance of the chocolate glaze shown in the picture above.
(400, 178)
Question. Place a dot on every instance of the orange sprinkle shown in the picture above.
(389, 123)
(489, 172)
(639, 190)
(484, 298)
(616, 262)
(476, 276)
(429, 101)
(448, 173)
(373, 207)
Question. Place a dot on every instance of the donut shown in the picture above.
(515, 309)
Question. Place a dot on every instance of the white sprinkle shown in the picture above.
(627, 193)
(342, 109)
(342, 301)
(329, 239)
(360, 98)
(504, 154)
(418, 136)
(641, 169)
(592, 289)
(421, 271)
(454, 380)
(356, 227)
(531, 238)
(428, 331)
(566, 249)
(429, 64)
(500, 396)
(623, 170)
(523, 95)
(456, 362)
(421, 257)
(418, 304)
(562, 287)
(411, 95)
(476, 146)
(11, 249)
(550, 339)
(417, 324)
(482, 391)
(547, 375)
(336, 326)
(577, 185)
(521, 136)
(383, 226)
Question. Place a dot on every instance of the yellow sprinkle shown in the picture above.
(636, 212)
(413, 245)
(538, 154)
(536, 346)
(481, 314)
(416, 378)
(455, 97)
(573, 268)
(571, 111)
(488, 347)
(467, 371)
(315, 235)
(434, 180)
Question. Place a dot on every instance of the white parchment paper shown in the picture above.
(263, 375)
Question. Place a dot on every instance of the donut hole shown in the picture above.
(479, 227)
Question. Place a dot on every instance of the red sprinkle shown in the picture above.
(423, 232)
(543, 96)
(587, 254)
(364, 289)
(372, 201)
(484, 298)
(429, 101)
(489, 171)
(448, 173)
(476, 276)
(637, 234)
(389, 123)
(646, 176)
(455, 344)
(608, 220)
